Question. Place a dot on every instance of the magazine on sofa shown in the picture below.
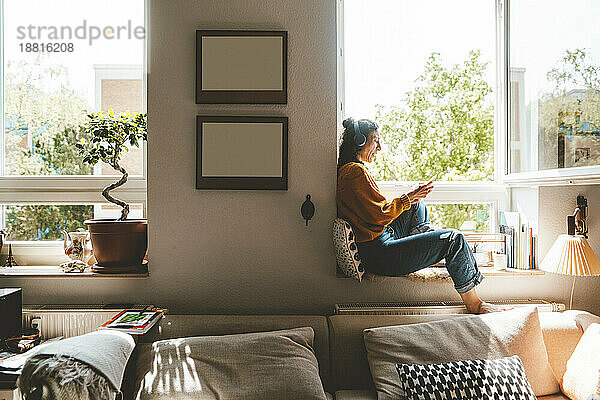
(135, 322)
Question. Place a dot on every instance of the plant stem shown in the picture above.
(114, 185)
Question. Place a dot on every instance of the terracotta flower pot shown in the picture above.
(119, 246)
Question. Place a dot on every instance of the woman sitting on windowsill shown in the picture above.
(395, 237)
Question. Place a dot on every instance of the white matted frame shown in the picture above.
(241, 66)
(227, 148)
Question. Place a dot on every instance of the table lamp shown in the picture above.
(571, 254)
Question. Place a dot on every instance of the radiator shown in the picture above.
(70, 320)
(431, 307)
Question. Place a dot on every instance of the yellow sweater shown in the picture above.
(360, 202)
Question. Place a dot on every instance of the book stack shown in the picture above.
(521, 242)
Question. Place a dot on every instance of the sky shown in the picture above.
(72, 13)
(387, 42)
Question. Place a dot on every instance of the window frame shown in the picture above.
(462, 192)
(66, 189)
(499, 190)
(545, 177)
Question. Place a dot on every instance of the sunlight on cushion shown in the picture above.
(176, 375)
(266, 365)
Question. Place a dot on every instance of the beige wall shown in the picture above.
(555, 203)
(122, 95)
(250, 252)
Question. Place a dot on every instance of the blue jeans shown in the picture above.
(409, 244)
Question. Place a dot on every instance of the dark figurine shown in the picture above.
(2, 237)
(10, 261)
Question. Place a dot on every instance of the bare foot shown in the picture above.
(486, 308)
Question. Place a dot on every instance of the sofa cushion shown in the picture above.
(265, 365)
(555, 396)
(372, 395)
(582, 379)
(488, 336)
(350, 368)
(355, 395)
(467, 379)
(176, 326)
(561, 335)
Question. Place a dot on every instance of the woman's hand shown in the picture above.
(420, 192)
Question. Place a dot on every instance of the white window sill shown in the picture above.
(553, 177)
(35, 253)
(451, 191)
(55, 272)
(491, 271)
(485, 271)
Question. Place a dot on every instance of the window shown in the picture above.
(479, 95)
(464, 216)
(554, 91)
(425, 71)
(60, 61)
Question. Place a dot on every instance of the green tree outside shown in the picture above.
(45, 222)
(443, 130)
(453, 215)
(41, 104)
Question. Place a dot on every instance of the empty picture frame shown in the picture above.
(241, 153)
(241, 67)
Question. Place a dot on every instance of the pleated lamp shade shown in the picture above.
(571, 255)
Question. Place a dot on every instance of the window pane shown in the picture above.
(45, 222)
(64, 59)
(554, 84)
(424, 71)
(466, 217)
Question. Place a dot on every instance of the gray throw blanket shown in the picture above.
(87, 367)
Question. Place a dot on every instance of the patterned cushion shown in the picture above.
(503, 378)
(346, 251)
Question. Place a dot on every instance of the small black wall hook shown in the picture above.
(308, 209)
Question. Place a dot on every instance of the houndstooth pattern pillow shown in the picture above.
(346, 251)
(503, 378)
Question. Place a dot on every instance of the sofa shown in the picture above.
(339, 346)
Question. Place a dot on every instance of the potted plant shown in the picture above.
(119, 244)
